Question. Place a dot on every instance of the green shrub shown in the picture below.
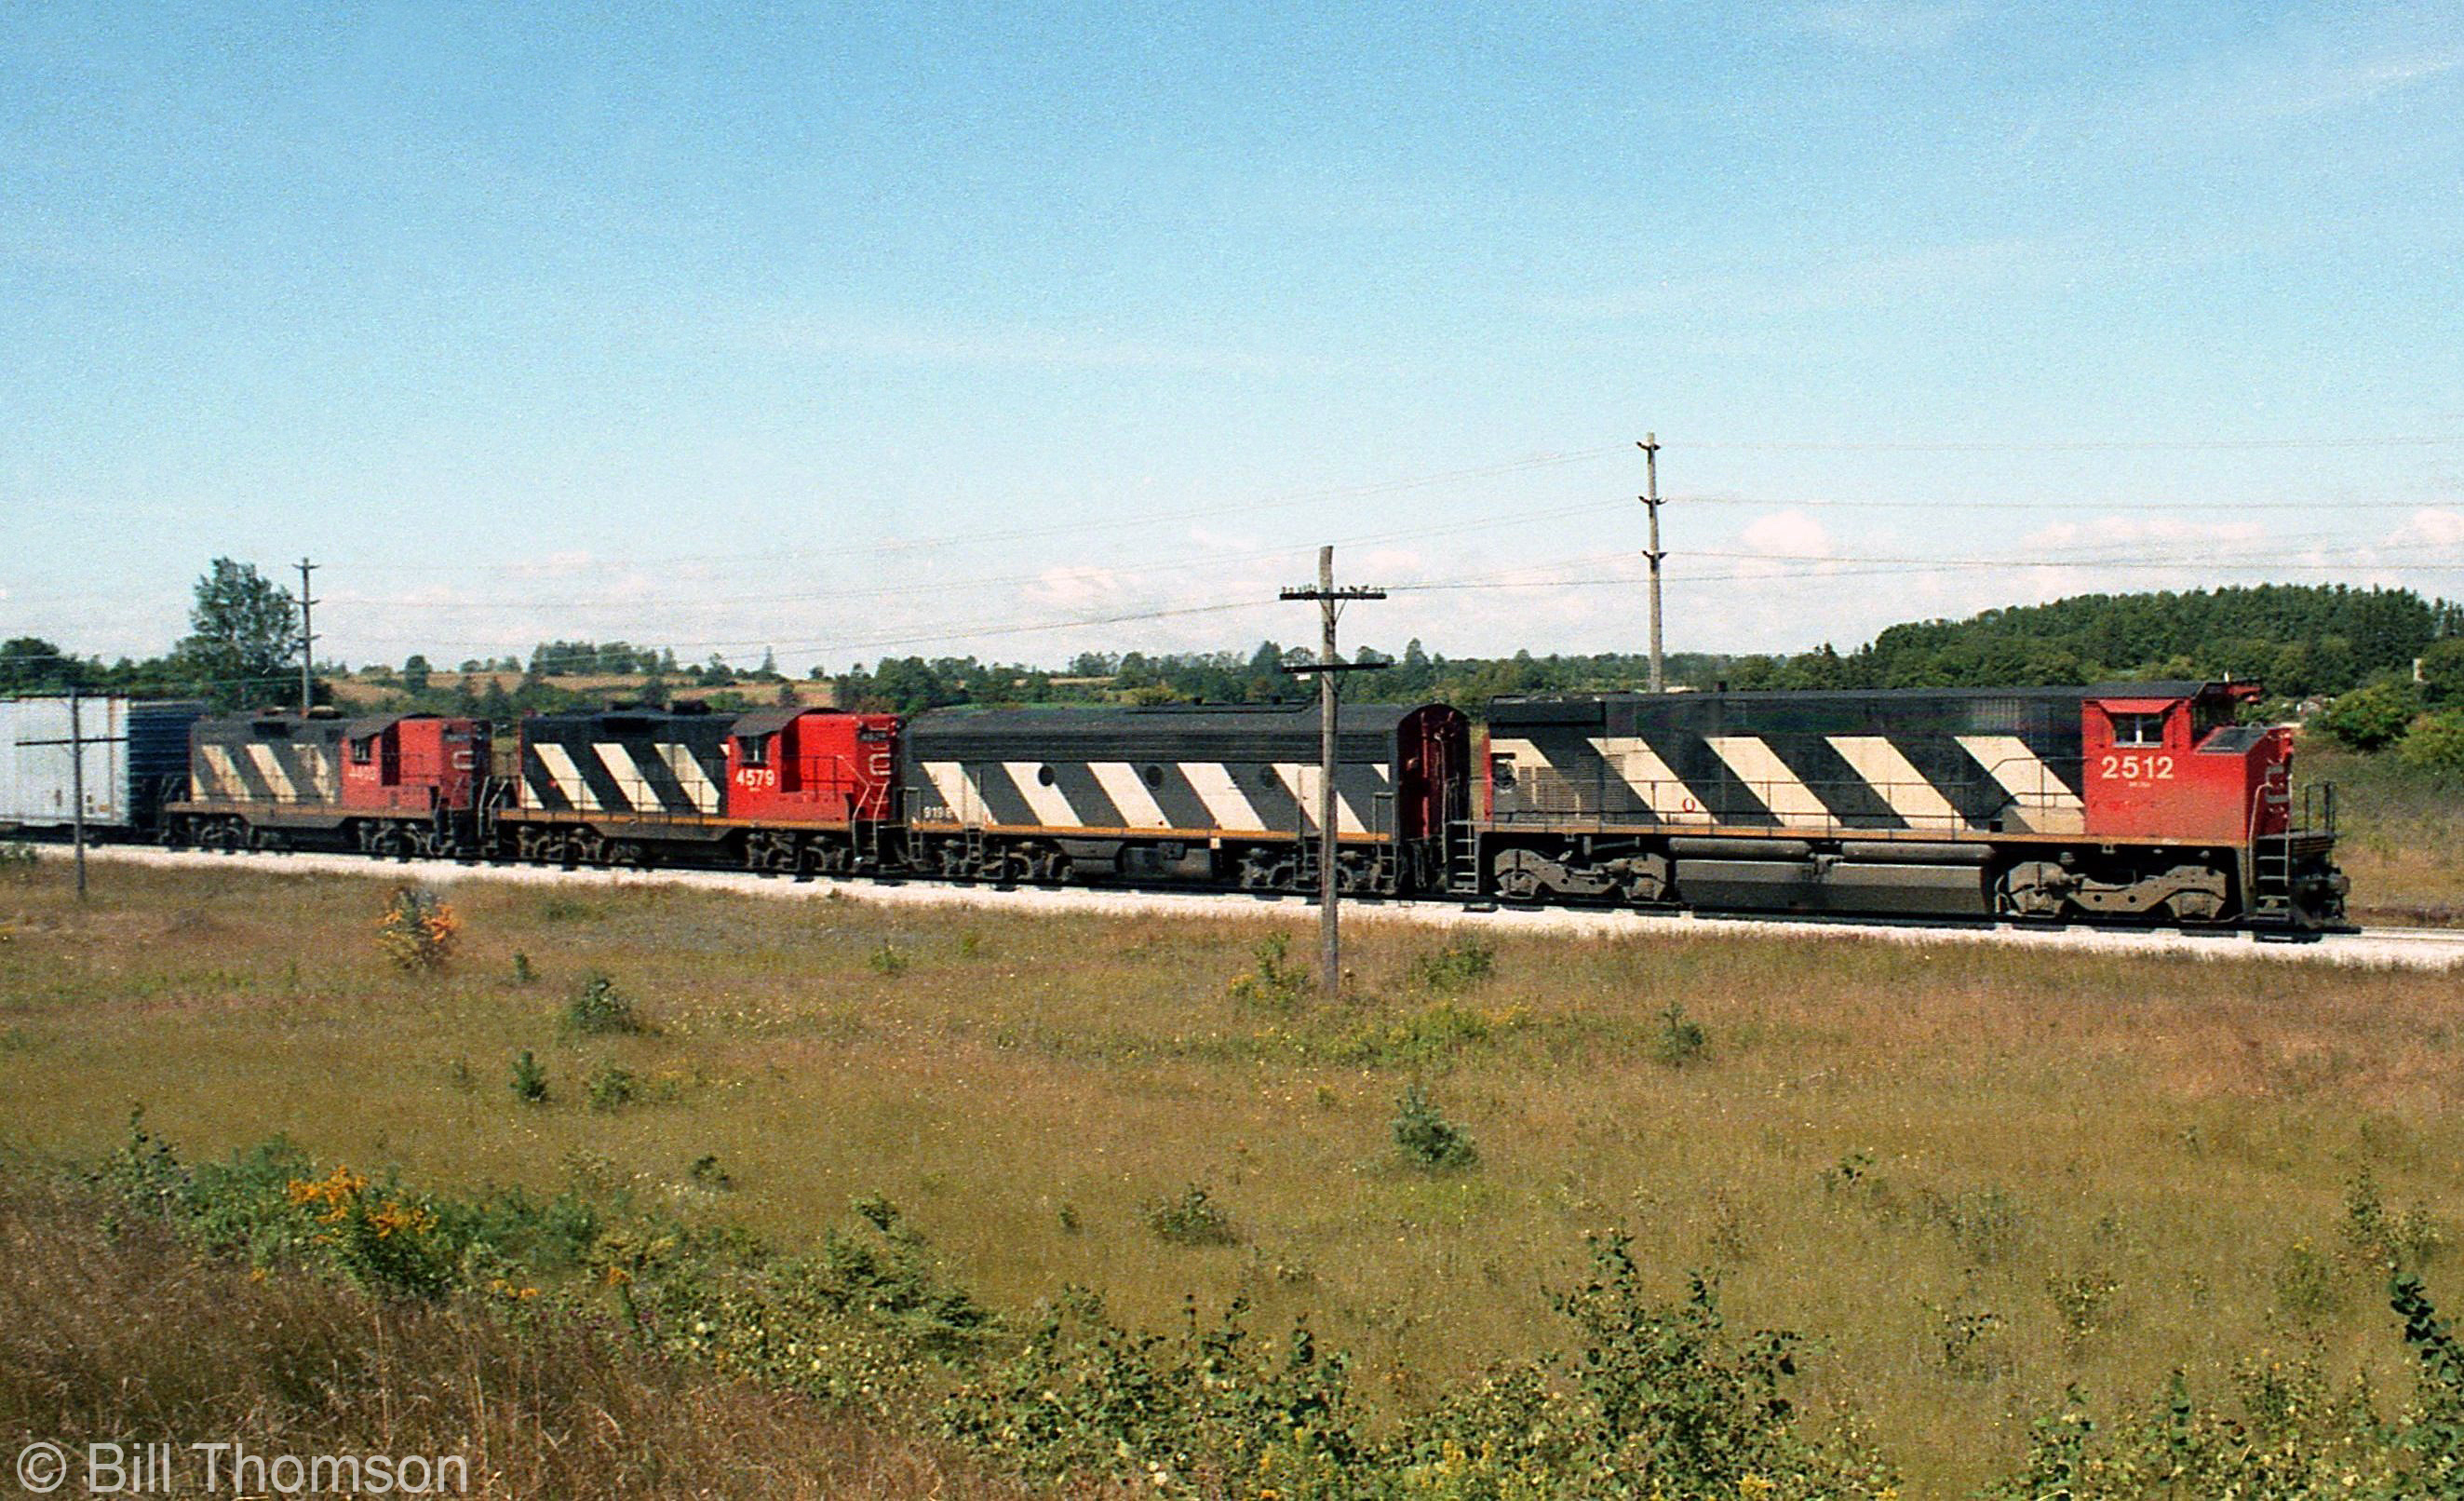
(887, 960)
(2372, 718)
(530, 1078)
(17, 860)
(707, 1171)
(1464, 962)
(1271, 982)
(599, 1008)
(523, 973)
(1426, 1138)
(1194, 1219)
(2436, 744)
(1681, 1039)
(611, 1087)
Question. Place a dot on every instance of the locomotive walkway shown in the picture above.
(2393, 948)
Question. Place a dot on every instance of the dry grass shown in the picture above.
(2403, 831)
(2022, 1130)
(124, 1338)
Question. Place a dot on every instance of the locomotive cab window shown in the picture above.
(757, 751)
(2137, 729)
(363, 751)
(1501, 770)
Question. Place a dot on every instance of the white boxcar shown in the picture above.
(136, 752)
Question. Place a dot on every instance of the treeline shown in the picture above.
(2300, 640)
(906, 684)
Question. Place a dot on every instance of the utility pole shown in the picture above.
(76, 741)
(1328, 663)
(1650, 446)
(76, 784)
(308, 640)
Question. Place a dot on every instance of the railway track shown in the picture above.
(2394, 948)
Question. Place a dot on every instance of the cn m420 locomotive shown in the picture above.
(2136, 801)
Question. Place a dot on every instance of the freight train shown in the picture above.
(2124, 802)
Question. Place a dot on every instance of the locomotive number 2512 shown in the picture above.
(2137, 768)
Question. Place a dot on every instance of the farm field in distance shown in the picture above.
(1971, 1177)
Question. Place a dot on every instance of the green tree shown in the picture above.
(2436, 744)
(2373, 717)
(32, 665)
(414, 672)
(243, 641)
(2442, 674)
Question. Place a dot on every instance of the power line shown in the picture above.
(2081, 445)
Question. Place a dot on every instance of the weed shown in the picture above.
(417, 928)
(2305, 1284)
(1681, 1040)
(887, 960)
(1194, 1219)
(1464, 962)
(599, 1008)
(1070, 1224)
(458, 1074)
(1426, 1138)
(2382, 1238)
(1982, 1222)
(1969, 1338)
(611, 1087)
(707, 1171)
(18, 861)
(1272, 982)
(2085, 1300)
(523, 973)
(530, 1078)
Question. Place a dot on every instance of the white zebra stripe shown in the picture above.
(270, 766)
(1050, 809)
(1757, 765)
(222, 776)
(567, 775)
(318, 760)
(697, 785)
(1301, 781)
(1523, 753)
(1224, 798)
(1127, 790)
(626, 773)
(958, 790)
(1919, 802)
(1662, 790)
(2047, 806)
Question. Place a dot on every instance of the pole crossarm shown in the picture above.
(1309, 669)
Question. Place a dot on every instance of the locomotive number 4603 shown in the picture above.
(2137, 768)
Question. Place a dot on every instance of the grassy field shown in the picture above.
(2403, 835)
(1972, 1177)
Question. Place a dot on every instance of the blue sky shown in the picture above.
(926, 329)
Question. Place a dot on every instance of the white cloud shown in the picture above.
(2430, 527)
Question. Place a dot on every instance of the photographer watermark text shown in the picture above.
(229, 1467)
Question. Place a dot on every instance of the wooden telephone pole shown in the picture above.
(1328, 663)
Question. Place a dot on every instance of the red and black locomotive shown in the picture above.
(2142, 802)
